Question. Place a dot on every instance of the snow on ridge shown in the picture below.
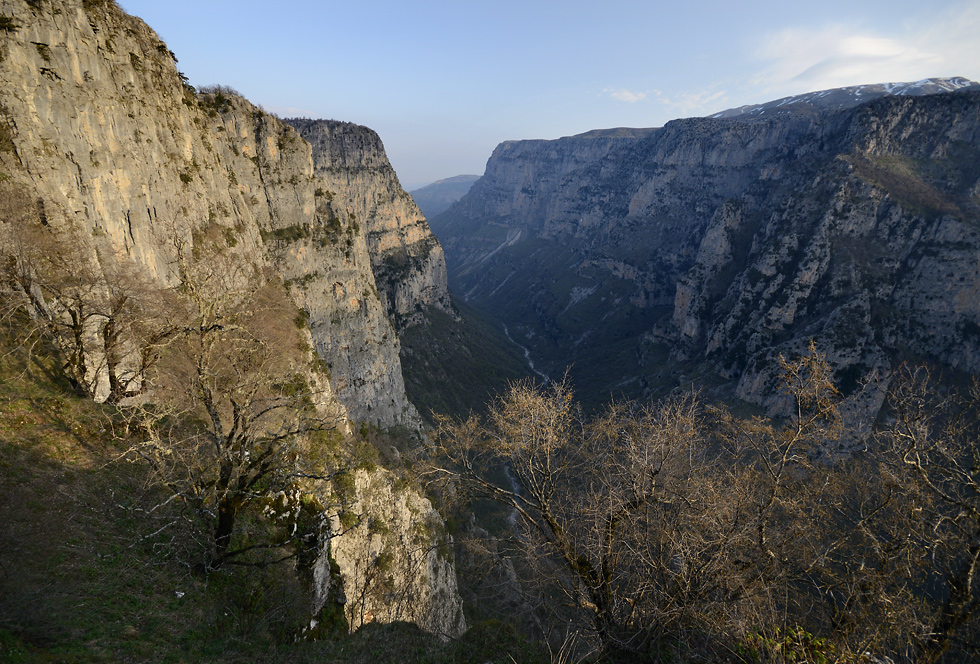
(838, 98)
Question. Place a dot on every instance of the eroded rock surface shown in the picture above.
(98, 124)
(702, 250)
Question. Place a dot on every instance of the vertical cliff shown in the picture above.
(99, 126)
(403, 540)
(159, 157)
(702, 250)
(362, 190)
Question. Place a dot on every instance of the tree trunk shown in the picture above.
(958, 609)
(227, 512)
(110, 340)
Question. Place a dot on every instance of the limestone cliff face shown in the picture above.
(97, 122)
(874, 253)
(363, 191)
(711, 245)
(398, 562)
(352, 243)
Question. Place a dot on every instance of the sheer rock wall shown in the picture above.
(96, 121)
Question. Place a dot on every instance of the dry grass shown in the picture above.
(80, 581)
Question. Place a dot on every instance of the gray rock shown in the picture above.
(710, 246)
(98, 124)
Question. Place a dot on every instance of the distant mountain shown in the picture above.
(438, 196)
(840, 98)
(701, 251)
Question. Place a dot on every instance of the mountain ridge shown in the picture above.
(436, 197)
(700, 250)
(847, 97)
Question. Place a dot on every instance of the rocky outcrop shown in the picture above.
(350, 241)
(363, 192)
(111, 137)
(97, 122)
(703, 250)
(397, 560)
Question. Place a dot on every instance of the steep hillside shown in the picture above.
(702, 250)
(132, 168)
(457, 365)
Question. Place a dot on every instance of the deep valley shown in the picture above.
(703, 392)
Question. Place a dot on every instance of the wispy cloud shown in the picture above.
(625, 95)
(835, 57)
(677, 102)
(692, 102)
(796, 60)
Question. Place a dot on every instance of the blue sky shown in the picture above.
(443, 82)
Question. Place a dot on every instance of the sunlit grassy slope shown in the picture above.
(85, 577)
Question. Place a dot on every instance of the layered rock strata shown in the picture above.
(97, 122)
(702, 250)
(363, 192)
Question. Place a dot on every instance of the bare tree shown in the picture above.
(22, 301)
(588, 495)
(670, 526)
(932, 452)
(107, 318)
(236, 423)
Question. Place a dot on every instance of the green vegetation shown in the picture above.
(99, 4)
(231, 239)
(83, 576)
(328, 232)
(217, 99)
(907, 181)
(397, 266)
(84, 579)
(286, 235)
(457, 366)
(163, 50)
(6, 132)
(44, 51)
(794, 644)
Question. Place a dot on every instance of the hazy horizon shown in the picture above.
(444, 82)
